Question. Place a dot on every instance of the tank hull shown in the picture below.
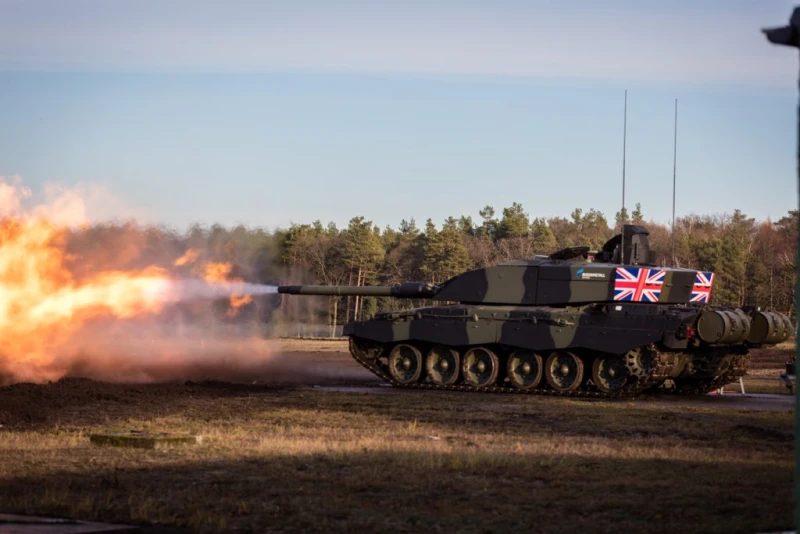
(602, 350)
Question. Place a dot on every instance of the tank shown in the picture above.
(607, 323)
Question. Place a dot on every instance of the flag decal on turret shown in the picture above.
(637, 284)
(701, 291)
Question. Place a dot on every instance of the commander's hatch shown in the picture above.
(571, 253)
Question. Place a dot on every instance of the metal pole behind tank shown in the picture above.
(790, 36)
(622, 212)
(624, 136)
(674, 169)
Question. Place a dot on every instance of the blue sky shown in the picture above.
(271, 113)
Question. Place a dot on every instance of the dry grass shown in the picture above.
(277, 458)
(766, 368)
(762, 384)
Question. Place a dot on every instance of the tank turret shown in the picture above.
(565, 278)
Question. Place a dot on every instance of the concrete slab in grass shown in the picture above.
(26, 524)
(142, 440)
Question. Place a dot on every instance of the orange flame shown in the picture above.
(220, 273)
(217, 272)
(237, 301)
(189, 257)
(41, 305)
(45, 310)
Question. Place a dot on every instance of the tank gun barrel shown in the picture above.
(406, 290)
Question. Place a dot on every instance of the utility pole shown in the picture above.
(790, 36)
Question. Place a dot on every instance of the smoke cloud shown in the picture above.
(154, 350)
(125, 303)
(187, 289)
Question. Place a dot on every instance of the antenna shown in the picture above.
(624, 136)
(674, 168)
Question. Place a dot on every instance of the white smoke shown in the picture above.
(173, 291)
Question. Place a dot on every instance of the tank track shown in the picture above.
(737, 369)
(657, 375)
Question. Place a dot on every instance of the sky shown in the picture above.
(273, 113)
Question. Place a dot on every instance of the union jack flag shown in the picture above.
(637, 284)
(701, 291)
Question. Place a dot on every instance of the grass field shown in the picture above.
(292, 458)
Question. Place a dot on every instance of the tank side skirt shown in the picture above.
(556, 330)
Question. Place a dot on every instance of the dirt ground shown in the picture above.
(279, 454)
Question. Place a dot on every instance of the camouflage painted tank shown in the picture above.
(607, 323)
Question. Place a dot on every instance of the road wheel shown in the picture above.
(405, 363)
(524, 369)
(481, 367)
(442, 365)
(564, 371)
(610, 373)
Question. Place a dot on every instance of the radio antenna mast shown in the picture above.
(623, 215)
(674, 168)
(624, 137)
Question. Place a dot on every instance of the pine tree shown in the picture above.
(544, 241)
(444, 253)
(736, 243)
(636, 216)
(515, 222)
(362, 252)
(621, 218)
(489, 226)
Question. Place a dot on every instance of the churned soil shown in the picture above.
(282, 455)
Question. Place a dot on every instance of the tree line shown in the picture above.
(754, 261)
